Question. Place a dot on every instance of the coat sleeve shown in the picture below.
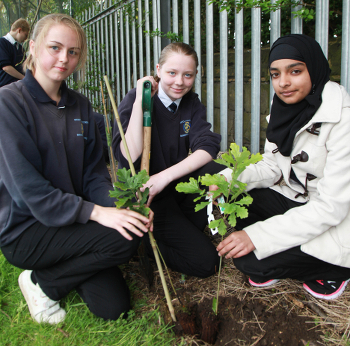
(21, 167)
(201, 137)
(326, 208)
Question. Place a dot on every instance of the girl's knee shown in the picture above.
(111, 310)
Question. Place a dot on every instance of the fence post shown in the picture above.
(210, 63)
(345, 47)
(198, 46)
(223, 79)
(275, 33)
(165, 21)
(239, 77)
(322, 19)
(256, 80)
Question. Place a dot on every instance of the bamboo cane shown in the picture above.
(109, 139)
(132, 168)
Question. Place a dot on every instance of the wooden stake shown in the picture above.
(132, 168)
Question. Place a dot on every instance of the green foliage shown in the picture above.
(307, 13)
(235, 197)
(173, 37)
(127, 191)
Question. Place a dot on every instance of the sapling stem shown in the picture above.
(132, 168)
(217, 293)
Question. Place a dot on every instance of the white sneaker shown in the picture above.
(41, 307)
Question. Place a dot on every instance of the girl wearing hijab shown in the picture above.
(299, 221)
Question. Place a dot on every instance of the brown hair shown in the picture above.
(43, 26)
(179, 48)
(20, 23)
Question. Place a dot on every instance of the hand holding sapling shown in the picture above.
(237, 244)
(156, 184)
(122, 220)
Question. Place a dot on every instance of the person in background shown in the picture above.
(298, 224)
(11, 52)
(178, 125)
(57, 220)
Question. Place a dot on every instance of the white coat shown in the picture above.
(322, 225)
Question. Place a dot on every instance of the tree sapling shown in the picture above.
(234, 192)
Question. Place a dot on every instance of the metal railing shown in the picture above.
(116, 50)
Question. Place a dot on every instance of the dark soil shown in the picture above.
(248, 323)
(242, 321)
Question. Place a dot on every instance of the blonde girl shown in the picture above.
(56, 218)
(178, 125)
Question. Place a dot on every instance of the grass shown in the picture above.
(81, 327)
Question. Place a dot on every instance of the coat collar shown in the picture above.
(330, 109)
(40, 95)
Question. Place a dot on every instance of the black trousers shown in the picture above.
(84, 257)
(178, 230)
(292, 263)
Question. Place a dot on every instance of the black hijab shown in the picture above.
(287, 119)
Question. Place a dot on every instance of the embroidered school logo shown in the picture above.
(82, 123)
(186, 126)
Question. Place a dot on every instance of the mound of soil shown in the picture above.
(247, 323)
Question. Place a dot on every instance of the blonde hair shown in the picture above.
(43, 26)
(20, 23)
(179, 48)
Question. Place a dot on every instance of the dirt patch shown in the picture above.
(247, 323)
(243, 322)
(247, 315)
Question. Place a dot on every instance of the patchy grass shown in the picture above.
(143, 327)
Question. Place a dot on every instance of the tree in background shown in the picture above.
(11, 10)
(307, 13)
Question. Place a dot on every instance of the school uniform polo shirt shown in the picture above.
(11, 54)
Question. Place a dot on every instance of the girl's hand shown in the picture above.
(149, 224)
(122, 220)
(156, 184)
(236, 245)
(139, 86)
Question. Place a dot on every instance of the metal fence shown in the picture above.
(120, 48)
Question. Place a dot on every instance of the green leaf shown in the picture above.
(232, 220)
(201, 205)
(229, 158)
(214, 223)
(143, 210)
(241, 212)
(215, 179)
(246, 200)
(223, 162)
(191, 187)
(123, 174)
(215, 305)
(229, 207)
(121, 202)
(222, 227)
